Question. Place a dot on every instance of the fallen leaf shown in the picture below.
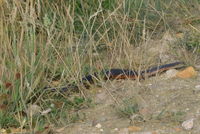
(187, 73)
(3, 131)
(46, 111)
(177, 129)
(179, 35)
(17, 76)
(60, 130)
(3, 107)
(16, 130)
(58, 104)
(8, 85)
(2, 2)
(55, 83)
(134, 128)
(33, 110)
(4, 99)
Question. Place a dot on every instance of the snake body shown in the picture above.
(121, 74)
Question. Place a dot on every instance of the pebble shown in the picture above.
(197, 66)
(188, 124)
(98, 125)
(52, 105)
(187, 73)
(187, 109)
(171, 73)
(197, 87)
(116, 129)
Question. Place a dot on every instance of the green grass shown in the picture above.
(191, 41)
(168, 116)
(43, 41)
(128, 108)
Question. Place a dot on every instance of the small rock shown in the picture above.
(188, 124)
(171, 73)
(157, 96)
(197, 89)
(197, 66)
(116, 129)
(98, 125)
(3, 131)
(101, 130)
(197, 86)
(187, 73)
(187, 109)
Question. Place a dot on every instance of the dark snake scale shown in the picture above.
(119, 74)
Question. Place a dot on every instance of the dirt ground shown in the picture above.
(163, 105)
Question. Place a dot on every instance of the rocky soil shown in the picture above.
(162, 106)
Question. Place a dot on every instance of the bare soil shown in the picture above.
(164, 104)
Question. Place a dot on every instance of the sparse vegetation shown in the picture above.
(128, 108)
(48, 42)
(175, 117)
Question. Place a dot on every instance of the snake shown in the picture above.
(116, 74)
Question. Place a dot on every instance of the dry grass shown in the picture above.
(44, 42)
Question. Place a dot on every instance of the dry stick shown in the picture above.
(117, 102)
(64, 64)
(101, 62)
